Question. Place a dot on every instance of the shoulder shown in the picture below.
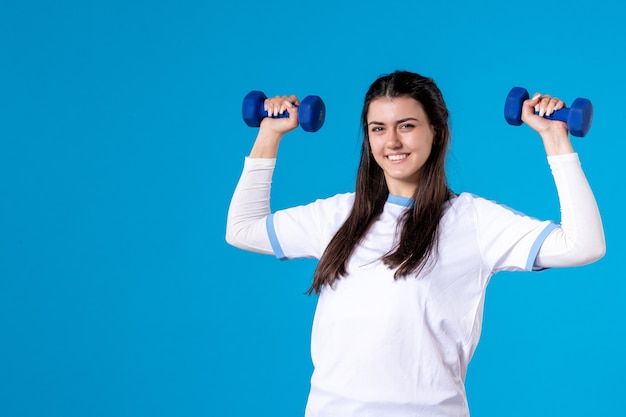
(337, 205)
(338, 202)
(487, 214)
(465, 201)
(479, 210)
(341, 198)
(469, 200)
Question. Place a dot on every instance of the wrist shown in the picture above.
(557, 143)
(266, 144)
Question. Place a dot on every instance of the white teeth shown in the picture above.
(397, 157)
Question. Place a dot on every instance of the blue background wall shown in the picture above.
(121, 142)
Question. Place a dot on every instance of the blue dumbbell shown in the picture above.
(578, 116)
(311, 111)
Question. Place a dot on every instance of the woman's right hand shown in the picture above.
(279, 105)
(272, 130)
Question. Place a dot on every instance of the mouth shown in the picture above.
(397, 157)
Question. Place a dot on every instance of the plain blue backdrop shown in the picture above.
(121, 141)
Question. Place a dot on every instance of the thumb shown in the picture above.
(529, 106)
(293, 110)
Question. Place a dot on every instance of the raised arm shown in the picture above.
(580, 239)
(250, 204)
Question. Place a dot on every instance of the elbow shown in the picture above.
(231, 237)
(231, 232)
(598, 249)
(598, 252)
(564, 250)
(234, 242)
(248, 236)
(239, 238)
(593, 253)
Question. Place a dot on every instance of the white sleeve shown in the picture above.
(580, 239)
(250, 207)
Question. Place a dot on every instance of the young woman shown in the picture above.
(404, 262)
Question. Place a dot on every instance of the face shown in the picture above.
(401, 138)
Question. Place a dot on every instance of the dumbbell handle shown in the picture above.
(560, 115)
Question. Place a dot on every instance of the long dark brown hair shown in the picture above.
(419, 226)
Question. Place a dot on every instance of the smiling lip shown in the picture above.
(397, 157)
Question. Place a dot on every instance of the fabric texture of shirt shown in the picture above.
(387, 347)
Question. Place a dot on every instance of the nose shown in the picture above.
(393, 140)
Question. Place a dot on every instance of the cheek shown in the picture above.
(374, 146)
(426, 143)
(376, 152)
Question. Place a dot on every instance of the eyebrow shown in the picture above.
(406, 119)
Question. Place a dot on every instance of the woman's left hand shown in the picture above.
(553, 132)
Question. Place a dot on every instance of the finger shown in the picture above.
(285, 104)
(293, 113)
(271, 106)
(534, 101)
(559, 105)
(551, 106)
(277, 104)
(294, 100)
(289, 103)
(543, 104)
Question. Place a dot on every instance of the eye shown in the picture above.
(406, 126)
(376, 129)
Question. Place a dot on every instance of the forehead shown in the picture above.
(395, 108)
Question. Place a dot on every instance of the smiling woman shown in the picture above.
(404, 262)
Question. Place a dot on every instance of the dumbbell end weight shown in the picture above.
(252, 108)
(312, 113)
(580, 117)
(513, 105)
